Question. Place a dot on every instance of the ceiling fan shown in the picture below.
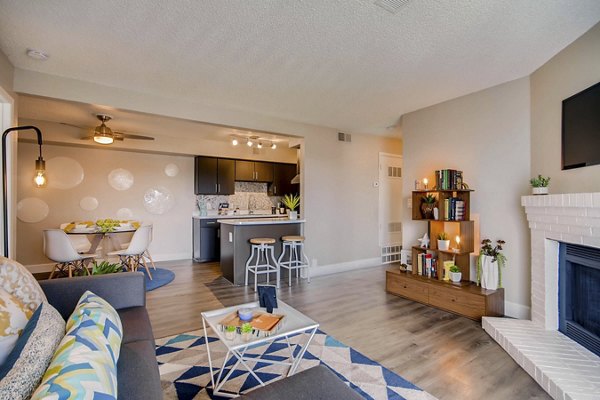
(104, 135)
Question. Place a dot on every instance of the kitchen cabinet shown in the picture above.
(282, 176)
(206, 243)
(214, 175)
(253, 171)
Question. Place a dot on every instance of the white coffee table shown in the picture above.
(294, 323)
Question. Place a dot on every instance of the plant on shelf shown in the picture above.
(539, 184)
(246, 330)
(442, 241)
(455, 274)
(230, 332)
(427, 205)
(291, 202)
(490, 262)
(105, 268)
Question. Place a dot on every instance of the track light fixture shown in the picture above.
(234, 142)
(273, 146)
(259, 145)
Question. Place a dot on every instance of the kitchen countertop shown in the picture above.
(263, 221)
(238, 216)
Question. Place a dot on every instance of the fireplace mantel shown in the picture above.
(565, 369)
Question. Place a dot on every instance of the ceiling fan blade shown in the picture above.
(132, 136)
(77, 126)
(87, 137)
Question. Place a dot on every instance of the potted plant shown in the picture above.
(291, 201)
(539, 185)
(427, 206)
(246, 330)
(230, 332)
(105, 268)
(490, 263)
(443, 241)
(455, 274)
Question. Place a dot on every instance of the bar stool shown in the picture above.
(297, 259)
(262, 247)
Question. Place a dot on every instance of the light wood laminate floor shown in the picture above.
(449, 356)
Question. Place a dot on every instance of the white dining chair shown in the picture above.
(133, 256)
(147, 252)
(80, 242)
(58, 248)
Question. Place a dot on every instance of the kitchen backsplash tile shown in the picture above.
(248, 196)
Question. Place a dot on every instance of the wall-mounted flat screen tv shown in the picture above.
(581, 129)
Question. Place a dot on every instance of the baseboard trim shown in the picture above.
(516, 310)
(345, 266)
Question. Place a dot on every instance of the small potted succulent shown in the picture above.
(230, 332)
(427, 206)
(443, 241)
(539, 184)
(455, 274)
(291, 201)
(246, 330)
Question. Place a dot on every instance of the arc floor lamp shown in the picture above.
(39, 179)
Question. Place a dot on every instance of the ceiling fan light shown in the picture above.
(103, 139)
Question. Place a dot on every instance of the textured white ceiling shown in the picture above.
(346, 64)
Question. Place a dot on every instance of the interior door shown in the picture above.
(263, 171)
(390, 203)
(244, 171)
(226, 176)
(205, 175)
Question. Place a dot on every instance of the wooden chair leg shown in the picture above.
(146, 266)
(53, 271)
(149, 257)
(70, 270)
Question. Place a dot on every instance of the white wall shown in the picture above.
(340, 202)
(570, 71)
(486, 135)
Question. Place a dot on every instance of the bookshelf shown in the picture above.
(463, 298)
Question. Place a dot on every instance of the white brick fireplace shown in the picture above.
(565, 369)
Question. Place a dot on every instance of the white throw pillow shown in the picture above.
(18, 281)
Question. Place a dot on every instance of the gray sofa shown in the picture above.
(137, 369)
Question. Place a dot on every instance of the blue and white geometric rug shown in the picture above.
(184, 372)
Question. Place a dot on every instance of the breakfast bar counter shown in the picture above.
(235, 248)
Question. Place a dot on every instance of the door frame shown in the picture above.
(8, 119)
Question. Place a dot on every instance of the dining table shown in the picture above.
(96, 236)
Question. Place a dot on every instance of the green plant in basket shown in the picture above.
(107, 225)
(230, 328)
(105, 268)
(540, 181)
(429, 199)
(291, 201)
(246, 328)
(454, 269)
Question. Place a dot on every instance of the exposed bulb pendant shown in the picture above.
(40, 179)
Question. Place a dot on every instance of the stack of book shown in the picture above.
(454, 209)
(448, 179)
(427, 265)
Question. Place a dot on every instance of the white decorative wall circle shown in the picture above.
(171, 170)
(88, 203)
(158, 200)
(63, 173)
(120, 179)
(124, 213)
(32, 210)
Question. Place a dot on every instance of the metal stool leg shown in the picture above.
(276, 265)
(248, 265)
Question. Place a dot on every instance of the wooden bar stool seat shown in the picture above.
(263, 250)
(296, 258)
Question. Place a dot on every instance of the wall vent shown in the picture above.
(390, 254)
(392, 6)
(344, 137)
(394, 172)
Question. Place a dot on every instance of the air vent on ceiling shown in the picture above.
(344, 137)
(392, 6)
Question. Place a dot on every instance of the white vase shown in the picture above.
(539, 190)
(436, 213)
(489, 273)
(293, 214)
(443, 244)
(455, 276)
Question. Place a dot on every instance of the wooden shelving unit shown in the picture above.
(464, 298)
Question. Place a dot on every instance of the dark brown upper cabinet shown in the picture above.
(282, 177)
(253, 171)
(214, 175)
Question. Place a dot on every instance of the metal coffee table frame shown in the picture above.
(294, 323)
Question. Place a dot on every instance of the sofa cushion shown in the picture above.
(13, 318)
(136, 324)
(23, 369)
(18, 281)
(107, 319)
(317, 383)
(138, 364)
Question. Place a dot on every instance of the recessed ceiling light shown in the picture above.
(234, 142)
(249, 143)
(37, 54)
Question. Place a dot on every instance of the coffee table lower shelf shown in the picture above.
(464, 298)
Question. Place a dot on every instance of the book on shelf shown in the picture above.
(448, 179)
(454, 209)
(427, 265)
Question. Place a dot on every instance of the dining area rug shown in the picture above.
(185, 373)
(160, 277)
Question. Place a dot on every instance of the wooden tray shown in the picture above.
(261, 321)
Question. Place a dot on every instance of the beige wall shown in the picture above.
(6, 73)
(486, 135)
(570, 71)
(340, 202)
(172, 230)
